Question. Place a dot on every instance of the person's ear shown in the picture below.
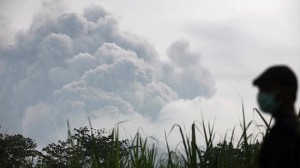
(289, 91)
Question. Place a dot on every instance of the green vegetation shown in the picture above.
(88, 147)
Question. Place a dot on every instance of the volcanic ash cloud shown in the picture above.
(67, 66)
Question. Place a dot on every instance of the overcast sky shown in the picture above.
(151, 63)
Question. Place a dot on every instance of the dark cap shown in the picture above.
(282, 74)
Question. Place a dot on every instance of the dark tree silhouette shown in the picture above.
(17, 151)
(85, 148)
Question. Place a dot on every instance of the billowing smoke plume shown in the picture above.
(67, 66)
(184, 73)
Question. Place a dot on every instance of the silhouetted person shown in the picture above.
(277, 95)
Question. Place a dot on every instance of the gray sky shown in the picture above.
(154, 63)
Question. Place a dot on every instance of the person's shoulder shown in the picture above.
(284, 135)
(286, 127)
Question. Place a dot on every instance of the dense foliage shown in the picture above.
(97, 149)
(17, 151)
(94, 148)
(86, 148)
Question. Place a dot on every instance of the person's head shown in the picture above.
(277, 89)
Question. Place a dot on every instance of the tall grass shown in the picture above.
(234, 151)
(225, 154)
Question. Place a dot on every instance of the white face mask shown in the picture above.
(267, 102)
